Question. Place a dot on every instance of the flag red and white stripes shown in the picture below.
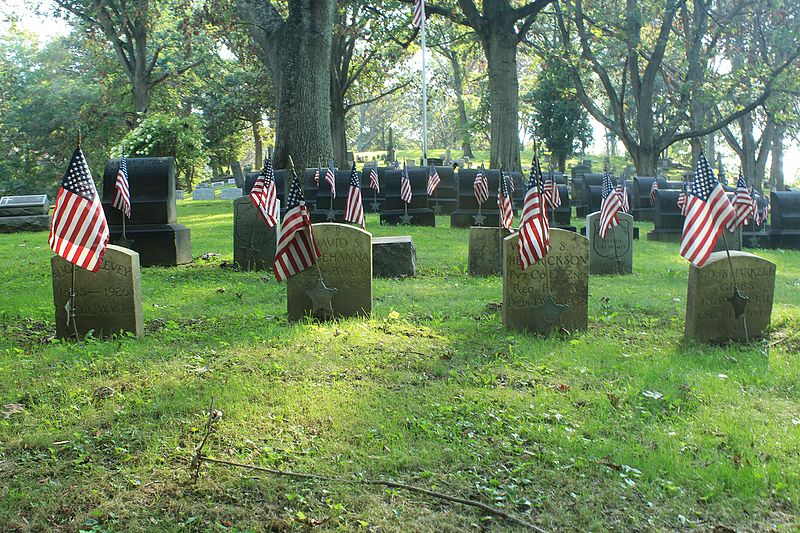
(551, 193)
(355, 208)
(611, 205)
(533, 241)
(78, 231)
(743, 203)
(330, 177)
(122, 194)
(264, 196)
(682, 199)
(481, 186)
(374, 184)
(405, 187)
(433, 180)
(622, 191)
(316, 176)
(504, 202)
(297, 250)
(708, 211)
(419, 13)
(653, 189)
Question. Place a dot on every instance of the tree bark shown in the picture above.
(338, 129)
(501, 55)
(776, 170)
(463, 121)
(258, 143)
(296, 52)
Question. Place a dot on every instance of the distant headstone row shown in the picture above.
(24, 213)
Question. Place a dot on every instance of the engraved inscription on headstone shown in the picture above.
(614, 254)
(531, 302)
(107, 301)
(346, 265)
(254, 242)
(486, 251)
(710, 314)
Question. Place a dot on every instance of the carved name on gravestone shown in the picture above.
(531, 302)
(710, 301)
(107, 301)
(486, 251)
(614, 254)
(254, 242)
(346, 265)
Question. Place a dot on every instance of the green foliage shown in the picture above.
(558, 118)
(163, 136)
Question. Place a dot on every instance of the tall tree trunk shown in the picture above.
(463, 121)
(338, 131)
(500, 48)
(776, 169)
(258, 143)
(562, 163)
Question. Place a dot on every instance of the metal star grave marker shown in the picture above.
(331, 215)
(405, 219)
(375, 206)
(437, 209)
(738, 302)
(550, 311)
(479, 219)
(321, 296)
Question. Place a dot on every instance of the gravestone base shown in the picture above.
(24, 223)
(446, 205)
(158, 244)
(321, 215)
(643, 214)
(710, 315)
(756, 239)
(346, 266)
(784, 239)
(467, 218)
(603, 253)
(254, 243)
(527, 303)
(419, 217)
(106, 302)
(394, 257)
(486, 251)
(581, 211)
(665, 235)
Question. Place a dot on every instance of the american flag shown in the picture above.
(374, 184)
(743, 203)
(405, 186)
(122, 194)
(533, 241)
(653, 189)
(610, 207)
(551, 192)
(78, 231)
(355, 209)
(297, 250)
(330, 177)
(419, 13)
(504, 202)
(708, 211)
(756, 211)
(264, 196)
(481, 187)
(433, 180)
(316, 176)
(682, 199)
(622, 191)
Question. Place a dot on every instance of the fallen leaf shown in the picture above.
(11, 409)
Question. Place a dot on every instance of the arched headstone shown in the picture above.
(254, 242)
(614, 254)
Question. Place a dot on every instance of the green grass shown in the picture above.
(431, 391)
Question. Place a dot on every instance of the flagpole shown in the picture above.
(424, 98)
(71, 300)
(735, 286)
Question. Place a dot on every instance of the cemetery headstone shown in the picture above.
(445, 200)
(231, 181)
(467, 213)
(346, 266)
(106, 302)
(24, 213)
(667, 217)
(540, 299)
(231, 194)
(486, 251)
(153, 226)
(393, 209)
(217, 184)
(203, 194)
(711, 314)
(614, 254)
(254, 243)
(784, 232)
(394, 257)
(641, 208)
(179, 194)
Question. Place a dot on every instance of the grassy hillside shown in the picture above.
(565, 431)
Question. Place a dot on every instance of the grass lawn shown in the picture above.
(565, 432)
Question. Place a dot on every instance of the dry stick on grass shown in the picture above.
(214, 416)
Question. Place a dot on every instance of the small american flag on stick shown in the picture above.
(330, 177)
(78, 231)
(682, 199)
(405, 186)
(622, 191)
(552, 194)
(743, 203)
(534, 235)
(433, 180)
(264, 196)
(708, 211)
(297, 251)
(481, 187)
(122, 194)
(374, 184)
(355, 209)
(610, 207)
(419, 13)
(504, 202)
(653, 189)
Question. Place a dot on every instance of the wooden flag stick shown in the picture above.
(736, 292)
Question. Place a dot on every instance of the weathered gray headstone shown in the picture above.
(394, 257)
(710, 301)
(540, 299)
(346, 265)
(217, 183)
(107, 301)
(203, 194)
(486, 251)
(179, 194)
(230, 194)
(231, 181)
(24, 223)
(734, 239)
(254, 242)
(614, 254)
(30, 205)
